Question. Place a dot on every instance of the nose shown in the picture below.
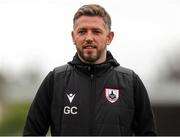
(89, 37)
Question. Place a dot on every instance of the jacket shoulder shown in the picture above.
(63, 68)
(124, 70)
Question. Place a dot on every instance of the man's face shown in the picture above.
(91, 36)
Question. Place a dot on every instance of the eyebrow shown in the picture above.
(83, 28)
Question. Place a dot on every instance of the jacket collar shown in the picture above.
(96, 69)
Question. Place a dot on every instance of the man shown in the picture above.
(92, 94)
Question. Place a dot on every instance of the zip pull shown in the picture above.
(92, 76)
(89, 68)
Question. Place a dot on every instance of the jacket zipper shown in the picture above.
(92, 101)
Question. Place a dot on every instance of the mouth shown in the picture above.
(89, 47)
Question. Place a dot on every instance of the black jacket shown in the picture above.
(82, 99)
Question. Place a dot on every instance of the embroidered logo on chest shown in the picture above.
(71, 97)
(70, 109)
(112, 95)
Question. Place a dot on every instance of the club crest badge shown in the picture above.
(112, 95)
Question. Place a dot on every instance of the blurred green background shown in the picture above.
(16, 93)
(13, 118)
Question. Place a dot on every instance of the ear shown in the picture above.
(72, 35)
(110, 37)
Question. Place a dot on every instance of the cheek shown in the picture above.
(79, 42)
(79, 39)
(101, 41)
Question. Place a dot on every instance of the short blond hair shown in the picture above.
(93, 10)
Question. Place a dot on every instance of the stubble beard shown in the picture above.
(90, 58)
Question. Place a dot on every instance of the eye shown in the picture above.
(97, 32)
(81, 32)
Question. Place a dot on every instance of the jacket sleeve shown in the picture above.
(144, 119)
(38, 118)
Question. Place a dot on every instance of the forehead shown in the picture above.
(90, 21)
